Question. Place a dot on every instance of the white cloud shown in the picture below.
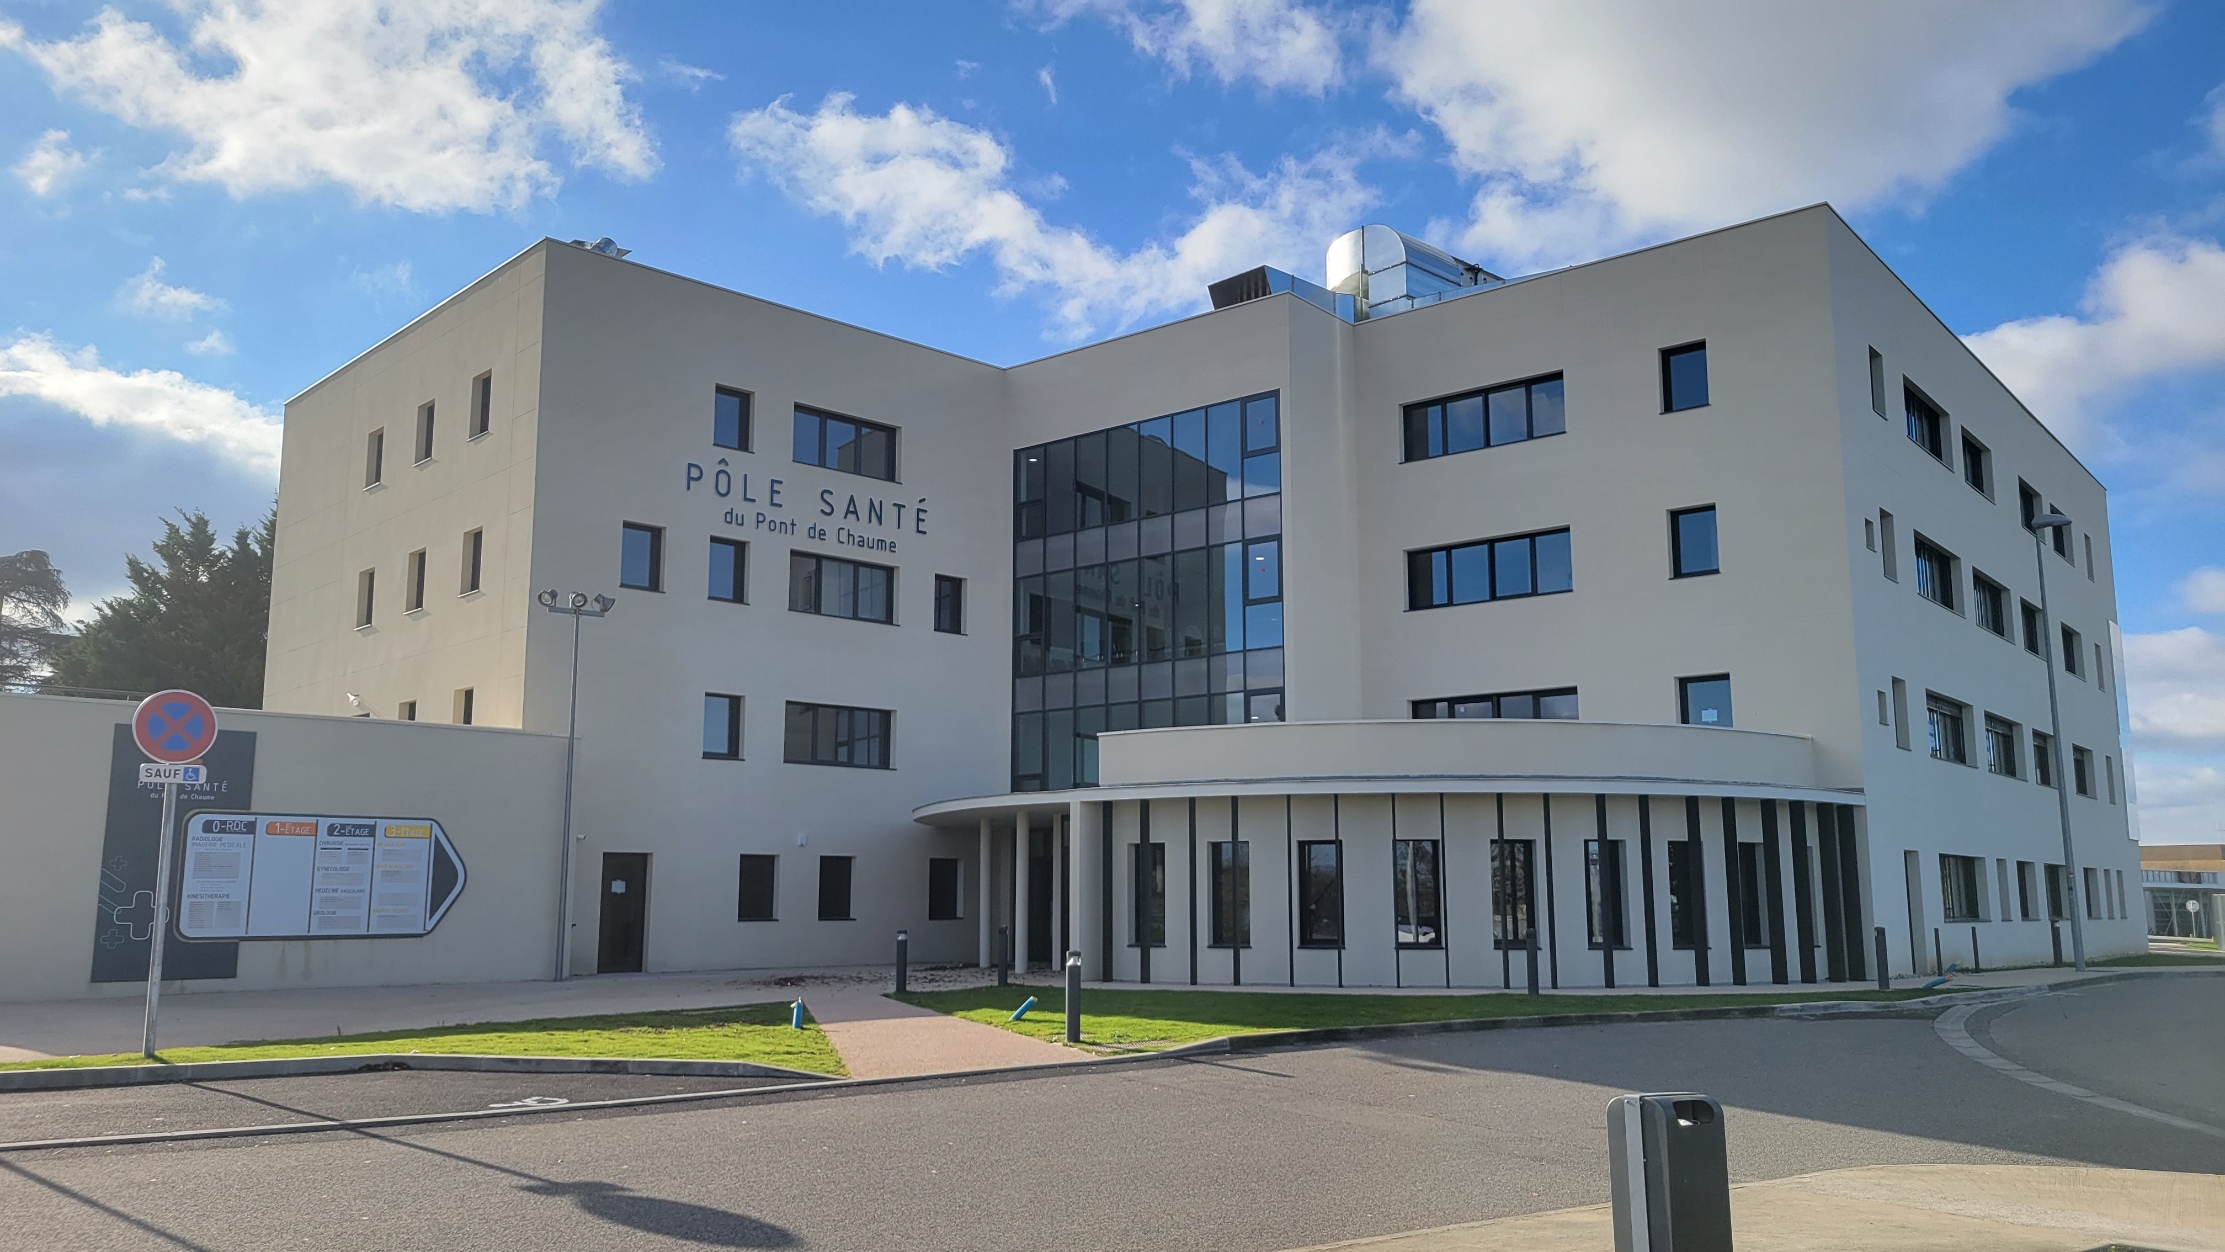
(162, 402)
(149, 295)
(2155, 307)
(2176, 683)
(2181, 801)
(916, 187)
(215, 343)
(1277, 43)
(391, 279)
(51, 164)
(1050, 85)
(691, 77)
(966, 68)
(1609, 123)
(2204, 589)
(428, 105)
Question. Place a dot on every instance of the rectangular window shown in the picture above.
(2071, 650)
(641, 557)
(465, 706)
(1935, 574)
(833, 587)
(1958, 888)
(1705, 700)
(1148, 920)
(474, 554)
(1991, 600)
(1752, 902)
(942, 889)
(2057, 907)
(1684, 893)
(1692, 542)
(366, 583)
(407, 711)
(1512, 893)
(830, 734)
(1603, 893)
(1890, 550)
(2026, 885)
(1977, 466)
(2094, 894)
(1683, 377)
(2109, 776)
(2089, 557)
(2101, 669)
(754, 901)
(2035, 634)
(374, 457)
(2059, 537)
(847, 444)
(1900, 714)
(1488, 569)
(730, 571)
(2082, 770)
(1554, 704)
(2043, 758)
(413, 582)
(1927, 426)
(722, 727)
(1946, 723)
(950, 604)
(1869, 534)
(2001, 747)
(424, 432)
(730, 413)
(834, 888)
(1877, 382)
(1417, 895)
(1507, 414)
(1321, 894)
(482, 404)
(1231, 886)
(1883, 718)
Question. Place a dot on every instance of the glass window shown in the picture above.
(730, 418)
(413, 582)
(1490, 569)
(1263, 706)
(1554, 704)
(1704, 701)
(942, 889)
(1554, 567)
(1148, 922)
(424, 432)
(1935, 574)
(1512, 892)
(1926, 424)
(641, 557)
(755, 902)
(1958, 888)
(1262, 429)
(1977, 465)
(834, 888)
(950, 604)
(374, 457)
(1692, 542)
(2043, 758)
(1417, 895)
(366, 585)
(1992, 602)
(2071, 651)
(1500, 415)
(2082, 770)
(1231, 894)
(832, 587)
(1548, 408)
(722, 727)
(474, 550)
(1684, 893)
(1603, 893)
(1944, 719)
(730, 571)
(828, 734)
(1510, 568)
(1321, 894)
(1877, 382)
(482, 404)
(1683, 377)
(845, 443)
(1510, 415)
(2001, 744)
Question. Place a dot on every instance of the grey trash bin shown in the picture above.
(1670, 1173)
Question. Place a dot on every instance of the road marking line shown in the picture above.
(1952, 1031)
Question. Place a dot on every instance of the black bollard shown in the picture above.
(1073, 997)
(903, 945)
(1004, 955)
(1669, 1173)
(1884, 971)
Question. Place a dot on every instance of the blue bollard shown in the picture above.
(1022, 1011)
(795, 1016)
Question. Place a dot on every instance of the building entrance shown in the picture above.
(625, 916)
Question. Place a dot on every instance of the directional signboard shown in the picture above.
(310, 876)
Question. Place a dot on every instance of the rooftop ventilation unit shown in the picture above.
(605, 245)
(1388, 271)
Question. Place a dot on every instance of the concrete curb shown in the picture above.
(292, 1067)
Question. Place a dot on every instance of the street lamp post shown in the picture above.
(2039, 526)
(575, 605)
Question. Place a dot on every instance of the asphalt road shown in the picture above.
(1258, 1152)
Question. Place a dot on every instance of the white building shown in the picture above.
(1724, 537)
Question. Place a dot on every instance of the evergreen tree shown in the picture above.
(32, 598)
(197, 618)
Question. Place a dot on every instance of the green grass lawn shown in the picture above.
(2146, 959)
(1134, 1020)
(749, 1032)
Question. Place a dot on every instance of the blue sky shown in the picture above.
(207, 206)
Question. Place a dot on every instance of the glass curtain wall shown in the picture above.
(1147, 561)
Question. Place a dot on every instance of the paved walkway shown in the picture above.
(1900, 1208)
(883, 1038)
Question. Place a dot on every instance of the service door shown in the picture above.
(625, 924)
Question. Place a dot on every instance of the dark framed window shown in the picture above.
(1552, 704)
(366, 588)
(1603, 894)
(1935, 573)
(1230, 878)
(2082, 770)
(943, 903)
(1513, 892)
(1417, 893)
(1753, 901)
(1877, 382)
(851, 445)
(1684, 377)
(424, 432)
(1148, 919)
(2035, 632)
(1684, 893)
(1704, 700)
(482, 404)
(641, 557)
(474, 553)
(832, 587)
(1947, 722)
(1692, 547)
(374, 457)
(1510, 413)
(2001, 747)
(1489, 569)
(730, 418)
(2072, 655)
(2025, 889)
(406, 711)
(950, 604)
(1958, 888)
(754, 900)
(1977, 465)
(1991, 600)
(2058, 903)
(2059, 538)
(2027, 503)
(834, 888)
(413, 582)
(722, 727)
(1927, 426)
(2043, 758)
(1263, 706)
(1321, 894)
(729, 571)
(465, 707)
(833, 734)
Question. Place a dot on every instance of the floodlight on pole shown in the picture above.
(576, 606)
(2041, 523)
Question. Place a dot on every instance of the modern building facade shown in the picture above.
(2184, 886)
(1677, 610)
